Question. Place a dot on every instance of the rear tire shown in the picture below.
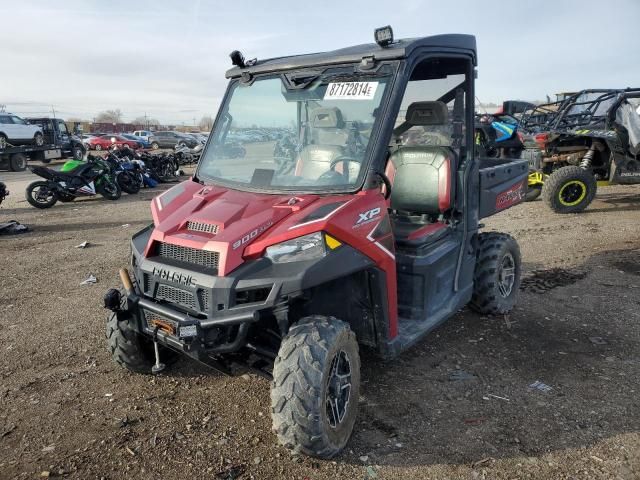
(32, 194)
(155, 146)
(18, 162)
(128, 183)
(532, 193)
(98, 147)
(316, 387)
(497, 274)
(569, 189)
(131, 350)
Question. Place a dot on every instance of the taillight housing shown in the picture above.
(542, 139)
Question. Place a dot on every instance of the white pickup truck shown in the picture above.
(143, 134)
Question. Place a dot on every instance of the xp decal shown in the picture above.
(367, 217)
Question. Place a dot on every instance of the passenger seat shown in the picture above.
(422, 181)
(327, 137)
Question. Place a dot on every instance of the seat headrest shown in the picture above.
(327, 118)
(427, 113)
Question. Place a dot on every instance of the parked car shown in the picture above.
(104, 142)
(199, 137)
(16, 131)
(144, 142)
(168, 139)
(143, 134)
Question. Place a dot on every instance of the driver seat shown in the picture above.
(422, 181)
(327, 137)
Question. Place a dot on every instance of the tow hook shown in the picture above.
(159, 366)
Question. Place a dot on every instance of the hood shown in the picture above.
(221, 220)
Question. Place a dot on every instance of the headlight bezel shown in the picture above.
(306, 247)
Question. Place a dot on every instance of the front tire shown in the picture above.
(316, 387)
(78, 152)
(497, 274)
(109, 189)
(569, 189)
(39, 195)
(38, 139)
(155, 146)
(131, 350)
(98, 147)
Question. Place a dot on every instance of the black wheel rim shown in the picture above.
(507, 275)
(572, 193)
(42, 194)
(110, 188)
(338, 389)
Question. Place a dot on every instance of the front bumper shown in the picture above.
(192, 309)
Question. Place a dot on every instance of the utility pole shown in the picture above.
(54, 111)
(146, 121)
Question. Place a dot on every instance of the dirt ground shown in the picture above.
(457, 406)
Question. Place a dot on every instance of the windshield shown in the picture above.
(312, 136)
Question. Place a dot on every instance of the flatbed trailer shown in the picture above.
(15, 158)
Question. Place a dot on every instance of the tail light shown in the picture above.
(542, 139)
(520, 137)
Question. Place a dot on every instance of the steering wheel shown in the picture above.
(332, 174)
(344, 159)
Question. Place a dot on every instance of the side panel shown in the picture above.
(503, 184)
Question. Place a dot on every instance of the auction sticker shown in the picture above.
(351, 91)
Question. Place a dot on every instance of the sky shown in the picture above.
(167, 58)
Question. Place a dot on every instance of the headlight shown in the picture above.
(307, 247)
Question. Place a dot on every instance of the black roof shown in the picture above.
(399, 49)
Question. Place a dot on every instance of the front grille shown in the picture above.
(147, 282)
(204, 298)
(176, 295)
(154, 320)
(211, 228)
(204, 258)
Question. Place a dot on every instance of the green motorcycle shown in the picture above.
(76, 178)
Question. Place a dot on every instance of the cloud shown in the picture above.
(168, 58)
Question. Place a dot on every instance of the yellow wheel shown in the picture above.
(569, 189)
(572, 193)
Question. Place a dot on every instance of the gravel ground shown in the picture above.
(457, 406)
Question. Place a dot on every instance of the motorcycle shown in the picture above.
(285, 152)
(497, 136)
(123, 172)
(75, 178)
(4, 193)
(187, 156)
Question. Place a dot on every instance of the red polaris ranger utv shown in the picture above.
(352, 219)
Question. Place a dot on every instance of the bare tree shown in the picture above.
(206, 123)
(146, 121)
(109, 116)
